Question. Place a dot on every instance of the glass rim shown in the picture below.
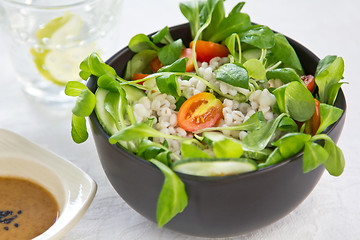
(30, 4)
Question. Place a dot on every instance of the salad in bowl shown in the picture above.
(229, 98)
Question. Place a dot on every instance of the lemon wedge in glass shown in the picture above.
(59, 52)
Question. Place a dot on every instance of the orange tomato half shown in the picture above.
(202, 110)
(205, 51)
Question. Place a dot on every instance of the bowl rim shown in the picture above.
(91, 83)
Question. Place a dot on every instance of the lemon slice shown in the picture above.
(58, 53)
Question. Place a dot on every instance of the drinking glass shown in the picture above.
(49, 39)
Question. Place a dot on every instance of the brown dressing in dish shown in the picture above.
(26, 209)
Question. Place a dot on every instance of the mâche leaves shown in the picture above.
(141, 42)
(314, 156)
(173, 198)
(258, 139)
(329, 75)
(170, 53)
(85, 104)
(299, 102)
(291, 143)
(78, 129)
(328, 115)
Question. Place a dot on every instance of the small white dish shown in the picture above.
(73, 189)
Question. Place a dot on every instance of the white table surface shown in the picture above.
(332, 211)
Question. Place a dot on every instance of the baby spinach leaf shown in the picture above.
(140, 131)
(168, 83)
(177, 66)
(328, 115)
(258, 36)
(173, 198)
(314, 156)
(286, 75)
(284, 52)
(189, 150)
(141, 42)
(299, 102)
(140, 63)
(78, 129)
(328, 77)
(324, 64)
(291, 143)
(258, 139)
(273, 158)
(234, 45)
(170, 53)
(255, 69)
(233, 74)
(234, 23)
(163, 36)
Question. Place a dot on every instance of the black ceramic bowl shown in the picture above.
(218, 206)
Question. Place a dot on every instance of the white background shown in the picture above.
(332, 211)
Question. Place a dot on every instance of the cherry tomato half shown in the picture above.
(309, 81)
(312, 125)
(155, 64)
(205, 51)
(200, 111)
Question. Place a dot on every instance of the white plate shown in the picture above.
(73, 189)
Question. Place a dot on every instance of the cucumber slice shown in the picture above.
(208, 167)
(133, 94)
(257, 155)
(105, 119)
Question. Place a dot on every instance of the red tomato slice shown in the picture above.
(138, 76)
(309, 81)
(155, 64)
(205, 51)
(200, 111)
(187, 52)
(312, 125)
